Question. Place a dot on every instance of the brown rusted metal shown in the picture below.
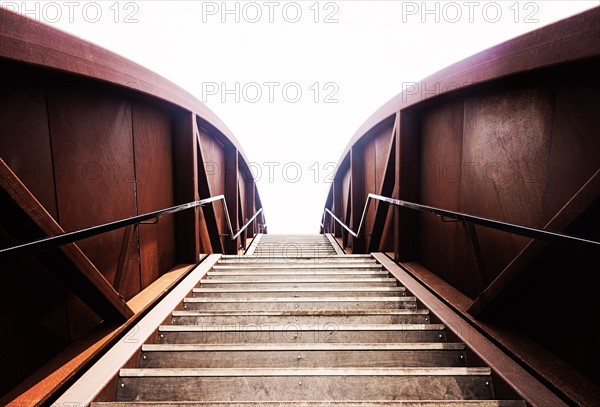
(98, 138)
(508, 134)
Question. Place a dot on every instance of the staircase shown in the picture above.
(295, 324)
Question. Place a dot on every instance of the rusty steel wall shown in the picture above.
(95, 143)
(516, 139)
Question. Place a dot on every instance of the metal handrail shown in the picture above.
(534, 233)
(70, 237)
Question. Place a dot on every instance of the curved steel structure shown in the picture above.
(511, 135)
(89, 138)
(91, 142)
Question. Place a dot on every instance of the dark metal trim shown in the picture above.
(70, 237)
(526, 231)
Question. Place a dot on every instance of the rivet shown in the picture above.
(298, 356)
(295, 336)
(122, 384)
(462, 356)
(162, 336)
(144, 357)
(441, 336)
(487, 383)
(300, 383)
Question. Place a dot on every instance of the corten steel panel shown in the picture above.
(185, 186)
(444, 246)
(43, 331)
(30, 42)
(242, 194)
(506, 142)
(575, 146)
(232, 197)
(347, 206)
(407, 185)
(25, 137)
(570, 40)
(387, 237)
(214, 164)
(357, 194)
(337, 196)
(81, 318)
(93, 162)
(250, 206)
(210, 239)
(154, 183)
(376, 153)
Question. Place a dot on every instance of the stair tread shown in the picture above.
(269, 266)
(334, 256)
(375, 403)
(291, 371)
(303, 312)
(296, 289)
(395, 354)
(424, 346)
(298, 280)
(305, 327)
(303, 299)
(307, 273)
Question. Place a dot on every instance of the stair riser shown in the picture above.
(446, 403)
(249, 321)
(299, 306)
(294, 336)
(303, 285)
(296, 294)
(310, 253)
(305, 388)
(303, 359)
(250, 260)
(298, 267)
(278, 275)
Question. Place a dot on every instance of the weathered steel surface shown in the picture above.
(97, 138)
(509, 134)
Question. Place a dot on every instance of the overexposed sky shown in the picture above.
(294, 80)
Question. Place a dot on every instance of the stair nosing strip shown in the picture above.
(303, 372)
(283, 347)
(301, 327)
(301, 299)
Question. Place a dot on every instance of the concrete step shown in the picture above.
(298, 384)
(282, 274)
(337, 317)
(297, 333)
(301, 303)
(297, 266)
(337, 403)
(297, 260)
(305, 283)
(249, 293)
(304, 355)
(337, 257)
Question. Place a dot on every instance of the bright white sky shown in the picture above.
(354, 54)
